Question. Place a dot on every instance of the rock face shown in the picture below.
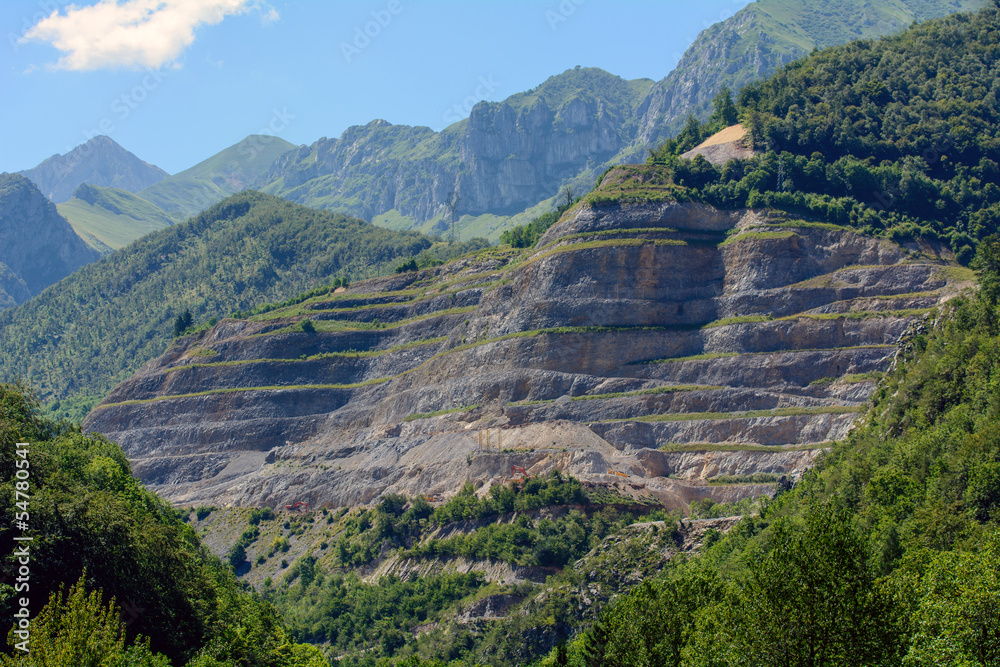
(101, 162)
(507, 156)
(647, 348)
(760, 39)
(37, 246)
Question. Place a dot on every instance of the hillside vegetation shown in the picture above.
(761, 38)
(79, 338)
(896, 137)
(115, 577)
(110, 218)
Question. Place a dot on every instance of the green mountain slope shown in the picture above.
(505, 158)
(110, 218)
(227, 172)
(88, 333)
(91, 524)
(761, 38)
(894, 137)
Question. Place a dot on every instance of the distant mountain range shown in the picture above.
(100, 161)
(764, 36)
(232, 170)
(501, 166)
(37, 246)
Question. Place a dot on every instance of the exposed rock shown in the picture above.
(641, 348)
(37, 246)
(101, 162)
(505, 157)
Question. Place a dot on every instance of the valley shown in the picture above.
(696, 372)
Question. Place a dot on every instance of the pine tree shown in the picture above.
(725, 113)
(183, 323)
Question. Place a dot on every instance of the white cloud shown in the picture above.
(131, 33)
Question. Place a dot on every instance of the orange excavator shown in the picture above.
(519, 469)
(616, 472)
(300, 505)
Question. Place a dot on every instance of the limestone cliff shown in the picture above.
(505, 157)
(650, 347)
(37, 246)
(101, 162)
(760, 39)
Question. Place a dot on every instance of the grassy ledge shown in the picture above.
(241, 390)
(314, 357)
(438, 413)
(672, 447)
(723, 355)
(757, 236)
(747, 414)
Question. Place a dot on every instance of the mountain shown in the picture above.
(232, 170)
(101, 162)
(761, 38)
(509, 160)
(684, 336)
(506, 157)
(517, 155)
(116, 576)
(77, 339)
(110, 218)
(37, 246)
(635, 337)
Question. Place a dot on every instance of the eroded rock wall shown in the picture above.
(647, 348)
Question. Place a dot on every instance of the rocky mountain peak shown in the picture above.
(99, 161)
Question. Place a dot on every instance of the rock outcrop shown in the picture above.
(101, 162)
(505, 157)
(761, 38)
(647, 348)
(37, 246)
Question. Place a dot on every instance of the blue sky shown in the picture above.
(175, 81)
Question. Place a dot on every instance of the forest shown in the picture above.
(245, 251)
(897, 137)
(116, 578)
